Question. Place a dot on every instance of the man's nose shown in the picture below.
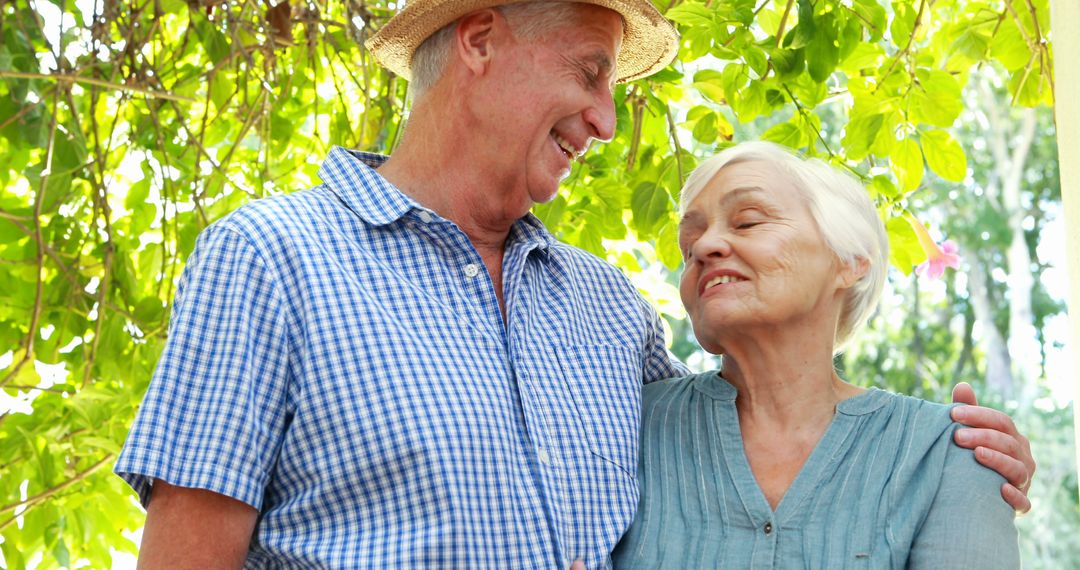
(601, 116)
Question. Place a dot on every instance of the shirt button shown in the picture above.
(545, 457)
(768, 528)
(471, 270)
(425, 216)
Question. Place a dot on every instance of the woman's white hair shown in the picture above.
(528, 20)
(839, 205)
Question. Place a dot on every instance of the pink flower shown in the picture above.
(937, 259)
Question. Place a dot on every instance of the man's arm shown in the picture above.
(194, 528)
(997, 444)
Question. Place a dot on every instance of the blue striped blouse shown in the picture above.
(884, 488)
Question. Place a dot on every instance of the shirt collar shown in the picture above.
(530, 233)
(352, 176)
(715, 386)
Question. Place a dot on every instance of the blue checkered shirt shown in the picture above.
(338, 360)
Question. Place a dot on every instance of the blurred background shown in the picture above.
(128, 127)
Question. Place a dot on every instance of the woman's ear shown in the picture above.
(850, 273)
(474, 38)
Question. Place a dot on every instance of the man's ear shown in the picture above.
(850, 273)
(474, 38)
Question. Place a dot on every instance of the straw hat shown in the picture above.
(649, 40)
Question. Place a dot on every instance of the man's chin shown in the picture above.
(547, 194)
(546, 198)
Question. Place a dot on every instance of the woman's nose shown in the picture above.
(713, 243)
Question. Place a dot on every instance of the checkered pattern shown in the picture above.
(337, 359)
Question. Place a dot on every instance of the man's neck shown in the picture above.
(434, 169)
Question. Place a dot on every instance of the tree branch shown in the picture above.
(783, 23)
(638, 104)
(52, 491)
(39, 238)
(675, 141)
(907, 48)
(67, 78)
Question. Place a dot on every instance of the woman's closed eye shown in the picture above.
(748, 219)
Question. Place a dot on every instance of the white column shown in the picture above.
(1065, 20)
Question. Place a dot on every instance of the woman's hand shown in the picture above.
(997, 444)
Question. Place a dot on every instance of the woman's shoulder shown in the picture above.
(676, 391)
(919, 433)
(918, 417)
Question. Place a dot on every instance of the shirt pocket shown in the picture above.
(605, 383)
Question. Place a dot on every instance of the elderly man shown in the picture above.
(402, 368)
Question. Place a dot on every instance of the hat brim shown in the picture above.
(649, 43)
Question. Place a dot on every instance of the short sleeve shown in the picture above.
(659, 363)
(214, 415)
(968, 525)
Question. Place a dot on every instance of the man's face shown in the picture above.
(553, 96)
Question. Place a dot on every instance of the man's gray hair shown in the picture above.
(528, 20)
(841, 208)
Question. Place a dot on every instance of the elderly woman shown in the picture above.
(775, 461)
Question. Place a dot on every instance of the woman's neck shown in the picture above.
(787, 396)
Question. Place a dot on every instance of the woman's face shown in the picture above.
(754, 258)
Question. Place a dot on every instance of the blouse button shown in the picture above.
(768, 528)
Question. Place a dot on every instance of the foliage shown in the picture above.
(127, 127)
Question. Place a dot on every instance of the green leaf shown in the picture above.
(972, 43)
(944, 155)
(864, 56)
(222, 87)
(936, 99)
(710, 84)
(787, 134)
(886, 138)
(904, 249)
(872, 12)
(755, 58)
(667, 245)
(698, 111)
(649, 204)
(690, 14)
(213, 41)
(883, 186)
(1008, 46)
(903, 23)
(149, 310)
(1031, 89)
(550, 214)
(137, 194)
(860, 133)
(822, 53)
(696, 42)
(805, 30)
(101, 443)
(705, 129)
(749, 102)
(907, 164)
(787, 63)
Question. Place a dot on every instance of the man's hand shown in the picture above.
(193, 528)
(997, 444)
